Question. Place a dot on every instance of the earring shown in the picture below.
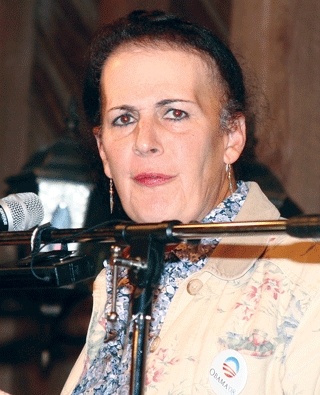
(111, 192)
(229, 176)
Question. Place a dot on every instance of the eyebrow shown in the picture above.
(169, 101)
(161, 103)
(123, 107)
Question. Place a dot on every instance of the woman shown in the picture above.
(167, 105)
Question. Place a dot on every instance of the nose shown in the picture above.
(147, 139)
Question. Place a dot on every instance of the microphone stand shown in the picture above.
(301, 226)
(149, 247)
(148, 242)
(146, 280)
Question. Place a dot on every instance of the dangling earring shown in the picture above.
(111, 192)
(229, 176)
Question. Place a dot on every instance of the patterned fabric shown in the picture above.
(258, 315)
(257, 299)
(109, 372)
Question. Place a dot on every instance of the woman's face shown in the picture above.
(160, 139)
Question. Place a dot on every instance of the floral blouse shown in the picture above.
(110, 371)
(244, 320)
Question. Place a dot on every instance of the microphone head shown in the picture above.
(26, 211)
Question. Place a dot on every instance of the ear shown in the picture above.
(97, 132)
(235, 140)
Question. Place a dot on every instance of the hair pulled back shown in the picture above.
(156, 27)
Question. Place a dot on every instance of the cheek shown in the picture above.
(205, 157)
(118, 162)
(104, 157)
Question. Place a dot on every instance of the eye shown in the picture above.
(176, 114)
(123, 120)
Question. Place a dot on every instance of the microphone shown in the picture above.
(21, 211)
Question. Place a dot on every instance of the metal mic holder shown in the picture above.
(149, 248)
(148, 242)
(301, 226)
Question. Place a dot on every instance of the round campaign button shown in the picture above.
(228, 373)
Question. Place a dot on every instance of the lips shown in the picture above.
(152, 179)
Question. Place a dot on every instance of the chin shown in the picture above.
(154, 211)
(151, 217)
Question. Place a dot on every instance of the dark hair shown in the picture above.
(152, 28)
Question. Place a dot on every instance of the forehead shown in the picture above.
(159, 64)
(150, 45)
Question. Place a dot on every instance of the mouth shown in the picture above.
(152, 179)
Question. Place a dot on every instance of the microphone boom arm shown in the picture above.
(301, 226)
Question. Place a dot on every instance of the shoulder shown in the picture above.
(298, 259)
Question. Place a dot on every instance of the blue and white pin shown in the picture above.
(228, 373)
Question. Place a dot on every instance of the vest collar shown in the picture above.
(235, 255)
